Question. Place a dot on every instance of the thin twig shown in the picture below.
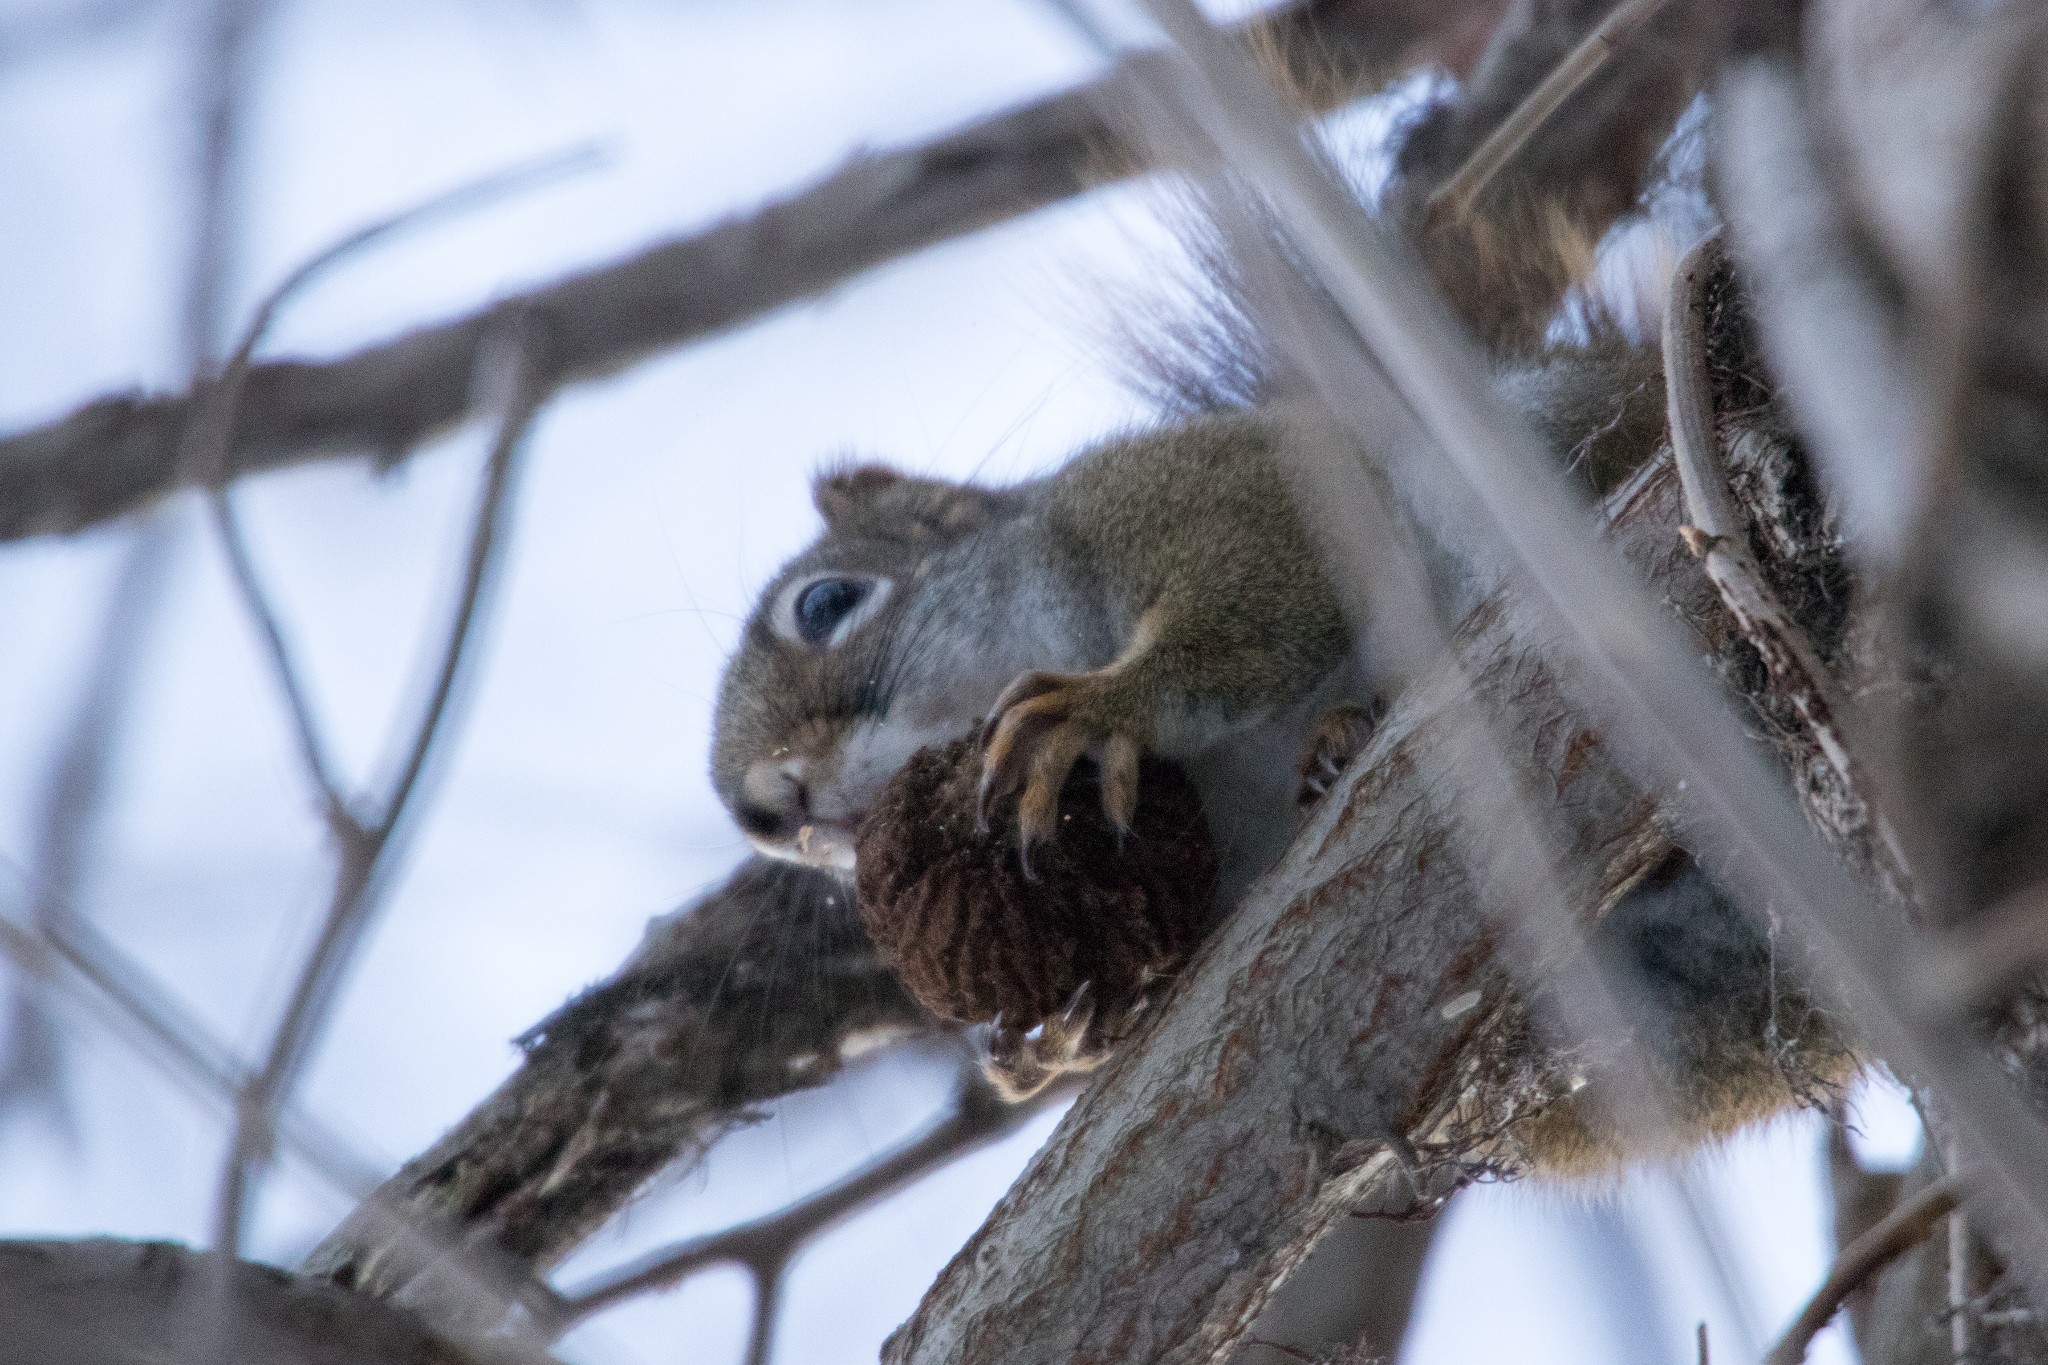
(216, 447)
(768, 1289)
(765, 1245)
(74, 798)
(367, 864)
(1720, 538)
(342, 823)
(76, 959)
(1906, 1227)
(1454, 198)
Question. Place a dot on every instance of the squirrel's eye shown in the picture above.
(820, 607)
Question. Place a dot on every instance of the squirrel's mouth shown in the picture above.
(823, 844)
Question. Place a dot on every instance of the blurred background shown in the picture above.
(572, 802)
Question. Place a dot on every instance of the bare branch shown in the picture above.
(77, 960)
(766, 1245)
(119, 453)
(215, 435)
(1526, 230)
(1904, 1228)
(71, 806)
(765, 986)
(367, 857)
(1720, 537)
(103, 1300)
(69, 823)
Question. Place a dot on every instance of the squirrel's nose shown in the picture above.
(774, 800)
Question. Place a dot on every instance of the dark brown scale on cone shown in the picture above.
(973, 937)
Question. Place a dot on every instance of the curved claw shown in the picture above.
(1339, 737)
(1008, 743)
(1038, 809)
(1040, 727)
(1020, 1065)
(1120, 781)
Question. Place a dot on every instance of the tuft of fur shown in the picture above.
(1722, 1031)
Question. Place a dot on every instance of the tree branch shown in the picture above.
(1904, 1228)
(765, 1246)
(120, 453)
(1455, 197)
(367, 854)
(1719, 536)
(765, 986)
(100, 1300)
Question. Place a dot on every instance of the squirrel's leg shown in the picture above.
(1179, 685)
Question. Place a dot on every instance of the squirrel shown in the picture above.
(1159, 593)
(1156, 593)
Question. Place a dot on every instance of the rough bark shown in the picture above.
(764, 987)
(106, 1302)
(119, 453)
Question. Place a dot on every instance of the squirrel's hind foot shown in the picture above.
(1340, 736)
(1020, 1064)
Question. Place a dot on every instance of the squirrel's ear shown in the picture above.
(873, 499)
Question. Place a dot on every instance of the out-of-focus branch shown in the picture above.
(765, 986)
(1990, 954)
(119, 453)
(766, 1245)
(1455, 196)
(1867, 181)
(1513, 181)
(1904, 1228)
(72, 804)
(101, 1300)
(69, 822)
(210, 450)
(368, 854)
(76, 959)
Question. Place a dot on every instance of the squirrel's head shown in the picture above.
(863, 649)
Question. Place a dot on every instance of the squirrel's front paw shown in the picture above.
(1041, 726)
